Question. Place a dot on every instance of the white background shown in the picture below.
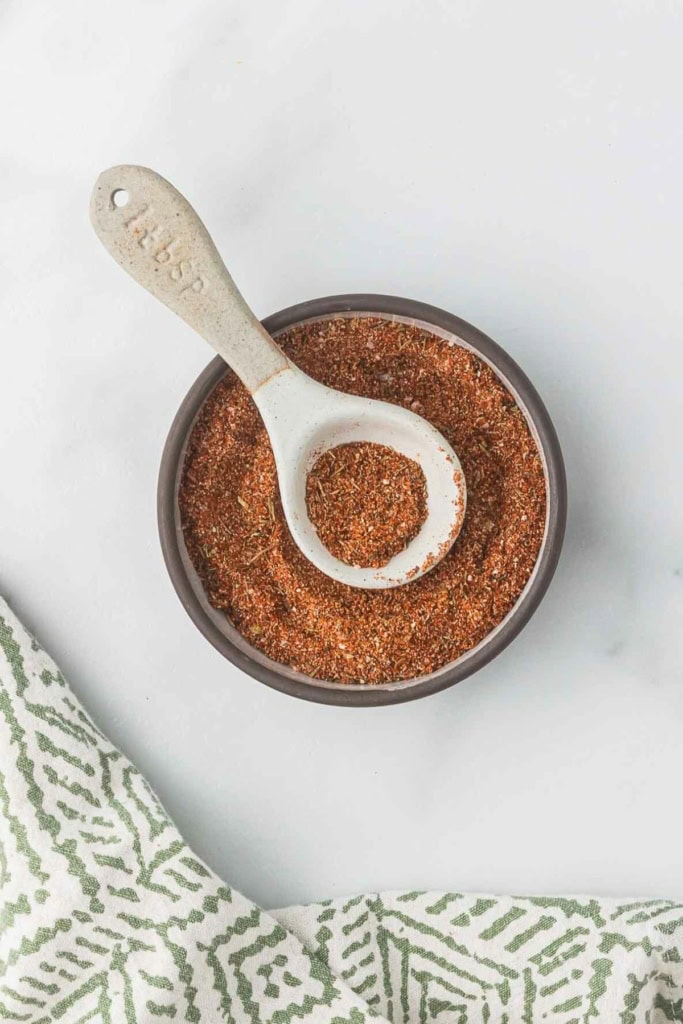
(519, 164)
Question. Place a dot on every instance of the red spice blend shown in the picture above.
(366, 501)
(237, 538)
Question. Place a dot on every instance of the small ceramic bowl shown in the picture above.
(216, 626)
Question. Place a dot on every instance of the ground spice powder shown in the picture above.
(237, 538)
(366, 501)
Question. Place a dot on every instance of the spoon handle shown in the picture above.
(153, 232)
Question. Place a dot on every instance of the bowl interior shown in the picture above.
(217, 627)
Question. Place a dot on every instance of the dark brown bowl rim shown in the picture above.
(275, 676)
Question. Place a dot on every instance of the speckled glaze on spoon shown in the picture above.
(154, 234)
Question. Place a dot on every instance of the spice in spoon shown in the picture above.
(366, 501)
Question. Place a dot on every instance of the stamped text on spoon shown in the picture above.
(149, 234)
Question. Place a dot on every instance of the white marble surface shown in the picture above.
(518, 164)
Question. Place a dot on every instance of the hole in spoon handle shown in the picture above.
(154, 234)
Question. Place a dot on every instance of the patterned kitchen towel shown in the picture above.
(106, 915)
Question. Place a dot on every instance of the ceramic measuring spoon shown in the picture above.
(153, 232)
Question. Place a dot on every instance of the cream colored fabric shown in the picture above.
(106, 915)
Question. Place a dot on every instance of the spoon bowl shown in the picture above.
(154, 234)
(332, 418)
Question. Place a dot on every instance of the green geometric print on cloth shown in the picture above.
(106, 915)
